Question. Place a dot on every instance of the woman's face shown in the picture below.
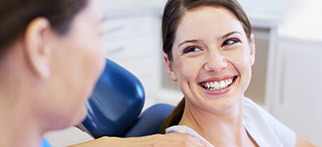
(212, 58)
(77, 62)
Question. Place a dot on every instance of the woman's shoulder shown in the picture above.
(253, 109)
(257, 114)
(185, 129)
(181, 129)
(249, 102)
(261, 124)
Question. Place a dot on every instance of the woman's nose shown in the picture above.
(215, 62)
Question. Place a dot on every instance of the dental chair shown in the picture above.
(114, 108)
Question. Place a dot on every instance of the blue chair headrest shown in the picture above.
(115, 103)
(150, 121)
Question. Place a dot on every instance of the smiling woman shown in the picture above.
(209, 50)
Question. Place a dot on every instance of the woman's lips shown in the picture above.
(218, 86)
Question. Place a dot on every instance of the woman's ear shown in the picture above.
(36, 51)
(169, 65)
(252, 49)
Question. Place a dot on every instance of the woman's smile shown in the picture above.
(218, 86)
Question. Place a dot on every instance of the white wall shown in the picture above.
(112, 4)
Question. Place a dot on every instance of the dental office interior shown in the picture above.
(286, 79)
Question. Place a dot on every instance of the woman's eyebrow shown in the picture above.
(223, 37)
(230, 33)
(188, 41)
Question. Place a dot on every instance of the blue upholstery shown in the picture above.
(150, 121)
(115, 105)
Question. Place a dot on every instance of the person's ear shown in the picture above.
(36, 51)
(169, 65)
(252, 49)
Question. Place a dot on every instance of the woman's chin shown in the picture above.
(76, 117)
(223, 104)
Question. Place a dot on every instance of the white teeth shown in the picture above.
(207, 85)
(212, 86)
(216, 86)
(222, 84)
(230, 80)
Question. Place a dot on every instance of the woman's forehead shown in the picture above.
(208, 19)
(207, 14)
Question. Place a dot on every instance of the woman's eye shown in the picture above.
(230, 41)
(191, 49)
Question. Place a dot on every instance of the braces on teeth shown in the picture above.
(212, 86)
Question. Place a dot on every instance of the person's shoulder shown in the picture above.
(251, 105)
(186, 129)
(180, 128)
(258, 120)
(255, 113)
(268, 123)
(249, 101)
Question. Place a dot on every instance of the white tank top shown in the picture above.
(266, 130)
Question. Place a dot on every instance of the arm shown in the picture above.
(158, 140)
(300, 142)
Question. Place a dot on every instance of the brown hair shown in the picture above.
(15, 15)
(175, 116)
(173, 12)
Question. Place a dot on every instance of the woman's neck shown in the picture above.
(220, 129)
(18, 124)
(19, 130)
